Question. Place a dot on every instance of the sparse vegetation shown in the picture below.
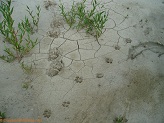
(26, 68)
(80, 17)
(25, 85)
(18, 40)
(2, 116)
(120, 119)
(35, 19)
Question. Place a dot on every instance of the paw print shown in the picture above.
(78, 79)
(47, 113)
(66, 104)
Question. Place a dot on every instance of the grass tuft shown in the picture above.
(18, 40)
(80, 17)
(120, 119)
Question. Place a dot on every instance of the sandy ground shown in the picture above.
(99, 80)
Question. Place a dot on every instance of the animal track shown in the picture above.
(53, 54)
(57, 64)
(109, 60)
(99, 75)
(117, 47)
(55, 68)
(66, 104)
(128, 40)
(78, 79)
(47, 113)
(48, 4)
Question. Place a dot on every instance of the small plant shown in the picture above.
(25, 86)
(35, 19)
(68, 16)
(93, 20)
(2, 116)
(26, 68)
(18, 41)
(120, 119)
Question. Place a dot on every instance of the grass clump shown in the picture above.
(79, 16)
(120, 119)
(18, 40)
